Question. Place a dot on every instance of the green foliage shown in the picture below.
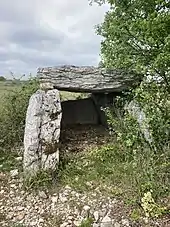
(150, 207)
(12, 113)
(88, 222)
(135, 214)
(119, 171)
(42, 179)
(18, 225)
(8, 161)
(2, 78)
(152, 158)
(137, 37)
(154, 101)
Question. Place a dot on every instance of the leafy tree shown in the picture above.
(137, 37)
(100, 65)
(2, 78)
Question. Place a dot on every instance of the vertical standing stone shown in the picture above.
(42, 132)
(134, 109)
(102, 101)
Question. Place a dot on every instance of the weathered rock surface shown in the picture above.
(86, 79)
(42, 131)
(134, 109)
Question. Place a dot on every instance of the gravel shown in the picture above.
(61, 208)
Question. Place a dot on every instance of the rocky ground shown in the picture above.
(62, 206)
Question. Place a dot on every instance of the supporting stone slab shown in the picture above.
(137, 113)
(101, 102)
(42, 132)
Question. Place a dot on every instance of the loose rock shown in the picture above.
(14, 173)
(106, 222)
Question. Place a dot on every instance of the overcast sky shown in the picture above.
(39, 33)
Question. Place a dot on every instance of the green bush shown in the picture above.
(149, 160)
(12, 113)
(154, 100)
(2, 78)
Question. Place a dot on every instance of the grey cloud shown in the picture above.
(36, 34)
(34, 37)
(15, 12)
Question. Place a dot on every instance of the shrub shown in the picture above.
(12, 113)
(150, 160)
(2, 78)
(154, 101)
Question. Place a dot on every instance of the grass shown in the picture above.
(116, 174)
(5, 89)
(18, 225)
(8, 87)
(8, 161)
(88, 222)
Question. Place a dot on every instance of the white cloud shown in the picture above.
(39, 33)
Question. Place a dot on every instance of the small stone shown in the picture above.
(2, 176)
(14, 172)
(106, 222)
(20, 208)
(76, 178)
(63, 199)
(114, 201)
(125, 222)
(67, 187)
(10, 215)
(96, 225)
(86, 208)
(13, 186)
(96, 215)
(89, 184)
(33, 223)
(77, 223)
(70, 217)
(102, 213)
(20, 217)
(22, 192)
(41, 220)
(64, 224)
(117, 224)
(42, 195)
(146, 220)
(20, 185)
(18, 158)
(54, 199)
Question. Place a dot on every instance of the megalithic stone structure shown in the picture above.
(44, 114)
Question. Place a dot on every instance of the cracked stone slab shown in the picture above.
(42, 131)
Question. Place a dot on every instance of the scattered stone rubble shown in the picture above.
(60, 207)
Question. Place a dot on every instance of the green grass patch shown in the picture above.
(9, 162)
(88, 222)
(118, 173)
(43, 179)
